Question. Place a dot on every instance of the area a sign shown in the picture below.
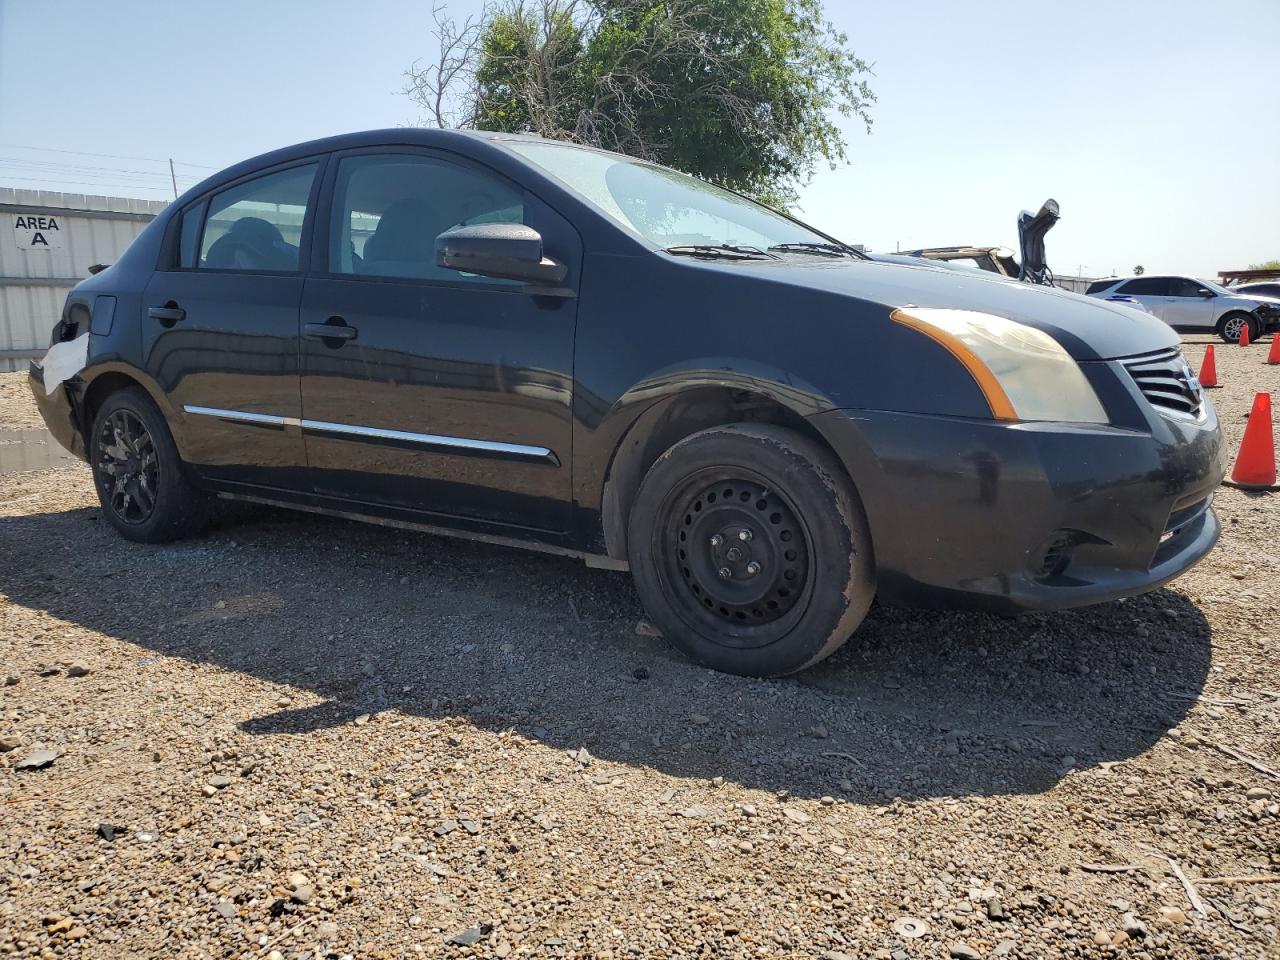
(37, 231)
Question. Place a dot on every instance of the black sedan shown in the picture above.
(528, 342)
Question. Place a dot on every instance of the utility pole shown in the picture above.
(173, 179)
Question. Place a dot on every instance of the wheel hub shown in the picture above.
(127, 467)
(739, 550)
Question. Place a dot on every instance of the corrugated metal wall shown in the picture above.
(34, 283)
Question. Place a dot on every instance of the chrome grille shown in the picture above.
(1167, 382)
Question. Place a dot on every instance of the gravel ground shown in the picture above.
(303, 737)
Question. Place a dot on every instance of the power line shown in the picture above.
(108, 156)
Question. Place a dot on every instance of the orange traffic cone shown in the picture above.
(1244, 335)
(1208, 369)
(1255, 467)
(1274, 355)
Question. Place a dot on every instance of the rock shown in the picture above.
(640, 673)
(37, 760)
(446, 828)
(77, 933)
(220, 782)
(910, 928)
(796, 815)
(699, 719)
(1257, 793)
(209, 791)
(962, 951)
(1173, 916)
(995, 910)
(1003, 948)
(108, 832)
(77, 670)
(327, 931)
(361, 720)
(469, 825)
(297, 880)
(746, 846)
(9, 743)
(226, 908)
(694, 812)
(303, 894)
(1102, 938)
(10, 680)
(1133, 926)
(1131, 791)
(646, 629)
(466, 938)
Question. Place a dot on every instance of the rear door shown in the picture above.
(1152, 292)
(220, 331)
(424, 388)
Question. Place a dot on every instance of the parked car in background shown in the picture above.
(1187, 303)
(1264, 288)
(1032, 228)
(523, 341)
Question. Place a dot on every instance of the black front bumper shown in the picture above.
(1011, 517)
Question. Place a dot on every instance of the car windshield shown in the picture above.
(1220, 290)
(667, 208)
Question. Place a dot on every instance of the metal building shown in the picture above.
(47, 244)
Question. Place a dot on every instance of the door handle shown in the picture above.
(169, 314)
(335, 328)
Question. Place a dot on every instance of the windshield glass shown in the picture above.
(662, 206)
(1219, 290)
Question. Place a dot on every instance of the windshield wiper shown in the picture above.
(721, 251)
(815, 248)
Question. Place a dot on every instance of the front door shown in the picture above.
(423, 388)
(220, 330)
(1187, 306)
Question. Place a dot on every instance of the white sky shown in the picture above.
(1156, 125)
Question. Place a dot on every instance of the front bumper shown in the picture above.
(59, 410)
(1013, 517)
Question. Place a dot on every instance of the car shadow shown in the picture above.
(370, 619)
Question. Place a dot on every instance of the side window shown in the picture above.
(190, 236)
(1099, 285)
(257, 225)
(1184, 287)
(1148, 287)
(388, 210)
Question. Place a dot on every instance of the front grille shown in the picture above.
(1167, 382)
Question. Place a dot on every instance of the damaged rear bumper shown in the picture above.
(60, 410)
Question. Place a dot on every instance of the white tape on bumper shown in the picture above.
(64, 360)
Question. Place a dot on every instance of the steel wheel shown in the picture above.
(127, 468)
(736, 556)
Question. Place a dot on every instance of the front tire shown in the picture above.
(140, 479)
(1230, 325)
(750, 550)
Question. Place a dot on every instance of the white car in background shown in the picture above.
(1187, 303)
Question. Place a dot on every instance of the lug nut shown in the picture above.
(716, 539)
(744, 534)
(753, 568)
(725, 573)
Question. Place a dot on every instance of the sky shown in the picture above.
(1154, 123)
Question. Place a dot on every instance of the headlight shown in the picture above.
(1023, 372)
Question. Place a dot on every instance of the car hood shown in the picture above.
(1087, 328)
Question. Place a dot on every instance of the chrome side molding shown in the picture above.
(437, 441)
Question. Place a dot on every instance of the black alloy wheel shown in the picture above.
(128, 467)
(142, 483)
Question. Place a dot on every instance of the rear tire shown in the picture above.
(141, 481)
(1229, 327)
(750, 550)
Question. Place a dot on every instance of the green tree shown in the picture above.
(745, 93)
(1139, 270)
(1269, 265)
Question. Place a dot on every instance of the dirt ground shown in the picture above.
(305, 737)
